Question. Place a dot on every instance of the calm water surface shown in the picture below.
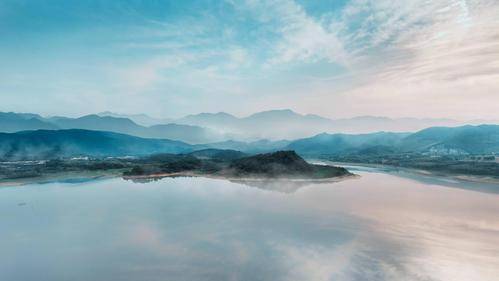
(378, 227)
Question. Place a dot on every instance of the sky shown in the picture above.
(336, 58)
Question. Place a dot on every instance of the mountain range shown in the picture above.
(49, 144)
(15, 122)
(483, 139)
(223, 128)
(287, 124)
(44, 144)
(141, 119)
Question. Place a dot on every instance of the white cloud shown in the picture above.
(398, 58)
(304, 38)
(430, 58)
(460, 41)
(141, 77)
(298, 36)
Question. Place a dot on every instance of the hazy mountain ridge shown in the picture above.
(287, 124)
(49, 144)
(223, 130)
(43, 144)
(186, 133)
(141, 119)
(344, 143)
(482, 139)
(15, 122)
(259, 146)
(272, 124)
(218, 120)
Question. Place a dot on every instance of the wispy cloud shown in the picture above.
(439, 58)
(300, 36)
(457, 40)
(377, 56)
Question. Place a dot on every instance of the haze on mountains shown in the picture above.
(287, 124)
(141, 119)
(53, 144)
(482, 139)
(47, 144)
(14, 122)
(220, 127)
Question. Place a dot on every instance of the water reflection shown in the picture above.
(284, 185)
(277, 185)
(435, 179)
(379, 227)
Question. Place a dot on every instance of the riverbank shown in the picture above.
(66, 177)
(86, 176)
(428, 173)
(235, 179)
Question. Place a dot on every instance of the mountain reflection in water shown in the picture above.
(377, 227)
(271, 184)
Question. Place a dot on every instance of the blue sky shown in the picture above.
(171, 58)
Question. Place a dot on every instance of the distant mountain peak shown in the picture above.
(210, 114)
(97, 118)
(114, 114)
(141, 118)
(276, 111)
(221, 113)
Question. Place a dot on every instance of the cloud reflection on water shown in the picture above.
(379, 227)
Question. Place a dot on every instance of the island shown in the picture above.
(214, 163)
(275, 165)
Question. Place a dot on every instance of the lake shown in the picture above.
(384, 225)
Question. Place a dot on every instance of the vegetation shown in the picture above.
(468, 150)
(460, 165)
(54, 144)
(463, 140)
(280, 164)
(223, 163)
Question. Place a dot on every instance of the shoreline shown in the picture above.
(74, 177)
(263, 179)
(420, 172)
(83, 176)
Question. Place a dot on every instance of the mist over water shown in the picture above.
(377, 227)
